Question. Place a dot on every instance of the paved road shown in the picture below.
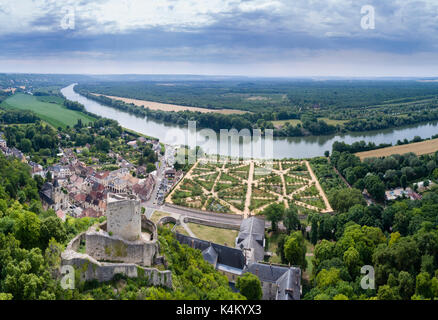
(232, 220)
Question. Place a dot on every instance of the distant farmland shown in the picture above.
(54, 114)
(419, 148)
(170, 107)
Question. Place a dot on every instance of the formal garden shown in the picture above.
(247, 187)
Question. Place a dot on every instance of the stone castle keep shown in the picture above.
(126, 243)
(124, 217)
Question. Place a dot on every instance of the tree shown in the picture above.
(406, 287)
(280, 248)
(314, 232)
(274, 213)
(103, 144)
(295, 250)
(25, 145)
(249, 286)
(387, 293)
(291, 220)
(352, 260)
(27, 229)
(52, 227)
(150, 167)
(375, 187)
(423, 285)
(342, 200)
(404, 181)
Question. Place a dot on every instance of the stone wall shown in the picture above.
(269, 290)
(210, 214)
(87, 268)
(103, 247)
(124, 216)
(212, 223)
(166, 220)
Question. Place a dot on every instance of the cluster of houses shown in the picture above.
(399, 193)
(142, 140)
(10, 152)
(279, 282)
(81, 191)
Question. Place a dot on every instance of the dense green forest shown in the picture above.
(399, 241)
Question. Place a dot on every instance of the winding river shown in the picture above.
(295, 147)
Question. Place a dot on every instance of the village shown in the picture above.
(79, 190)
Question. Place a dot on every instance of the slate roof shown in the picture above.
(46, 193)
(252, 236)
(289, 285)
(266, 272)
(288, 279)
(210, 255)
(231, 257)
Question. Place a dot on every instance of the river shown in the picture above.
(295, 147)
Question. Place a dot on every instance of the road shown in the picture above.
(152, 202)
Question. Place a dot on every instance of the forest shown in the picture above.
(399, 241)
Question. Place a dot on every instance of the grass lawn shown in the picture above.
(333, 122)
(294, 122)
(272, 247)
(309, 249)
(309, 265)
(54, 114)
(217, 235)
(280, 123)
(157, 215)
(180, 229)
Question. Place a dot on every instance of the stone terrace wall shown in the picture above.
(212, 223)
(101, 246)
(88, 268)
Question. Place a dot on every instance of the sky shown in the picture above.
(279, 38)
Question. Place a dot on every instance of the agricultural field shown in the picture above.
(51, 111)
(419, 148)
(247, 187)
(170, 107)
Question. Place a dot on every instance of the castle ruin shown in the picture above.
(126, 243)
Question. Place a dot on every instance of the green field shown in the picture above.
(280, 123)
(54, 114)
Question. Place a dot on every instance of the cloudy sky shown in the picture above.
(287, 38)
